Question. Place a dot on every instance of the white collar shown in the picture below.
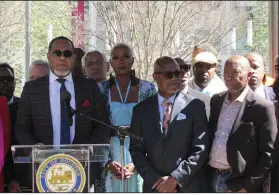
(185, 89)
(162, 99)
(53, 77)
(11, 100)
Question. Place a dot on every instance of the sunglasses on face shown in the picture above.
(185, 68)
(58, 53)
(169, 74)
(6, 78)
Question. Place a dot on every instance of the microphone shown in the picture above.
(66, 97)
(122, 131)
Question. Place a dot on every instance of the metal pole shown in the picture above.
(122, 165)
(27, 39)
(273, 33)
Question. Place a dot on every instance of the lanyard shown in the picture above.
(119, 92)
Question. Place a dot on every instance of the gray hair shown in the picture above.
(122, 45)
(39, 63)
(83, 59)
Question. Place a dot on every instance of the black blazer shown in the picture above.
(34, 122)
(182, 153)
(251, 141)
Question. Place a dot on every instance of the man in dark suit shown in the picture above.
(42, 116)
(243, 133)
(255, 83)
(7, 88)
(185, 69)
(174, 132)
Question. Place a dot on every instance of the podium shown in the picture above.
(63, 168)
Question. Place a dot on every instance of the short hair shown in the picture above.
(122, 45)
(208, 47)
(180, 61)
(83, 59)
(8, 66)
(39, 63)
(60, 38)
(253, 53)
(162, 60)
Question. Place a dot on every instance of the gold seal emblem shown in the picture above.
(60, 173)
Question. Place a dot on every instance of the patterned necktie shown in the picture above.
(168, 106)
(64, 125)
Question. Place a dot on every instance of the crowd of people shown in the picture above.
(200, 133)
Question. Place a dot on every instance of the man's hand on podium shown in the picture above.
(14, 187)
(37, 144)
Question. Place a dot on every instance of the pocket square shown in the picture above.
(86, 103)
(181, 116)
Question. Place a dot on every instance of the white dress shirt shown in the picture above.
(11, 100)
(54, 95)
(162, 108)
(229, 111)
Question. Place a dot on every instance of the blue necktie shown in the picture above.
(64, 125)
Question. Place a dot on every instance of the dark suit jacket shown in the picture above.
(275, 169)
(251, 141)
(34, 123)
(181, 153)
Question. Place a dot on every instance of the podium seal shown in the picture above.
(60, 173)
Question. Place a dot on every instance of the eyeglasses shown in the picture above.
(185, 68)
(96, 63)
(6, 78)
(66, 53)
(169, 74)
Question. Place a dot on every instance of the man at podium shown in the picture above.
(43, 118)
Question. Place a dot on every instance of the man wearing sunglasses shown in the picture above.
(43, 116)
(174, 128)
(7, 88)
(204, 70)
(185, 69)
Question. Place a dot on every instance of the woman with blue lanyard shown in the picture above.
(122, 93)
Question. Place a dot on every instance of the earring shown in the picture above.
(133, 78)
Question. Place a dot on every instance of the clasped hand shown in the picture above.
(166, 184)
(116, 170)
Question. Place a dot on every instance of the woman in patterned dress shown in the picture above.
(122, 93)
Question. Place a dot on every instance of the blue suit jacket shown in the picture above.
(269, 94)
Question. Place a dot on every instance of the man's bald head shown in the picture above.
(163, 62)
(236, 73)
(239, 61)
